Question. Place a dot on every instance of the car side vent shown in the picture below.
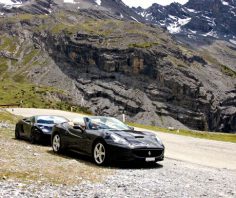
(138, 137)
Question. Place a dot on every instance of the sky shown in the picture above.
(147, 3)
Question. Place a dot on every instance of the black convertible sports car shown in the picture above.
(105, 139)
(37, 128)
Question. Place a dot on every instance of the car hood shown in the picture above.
(139, 138)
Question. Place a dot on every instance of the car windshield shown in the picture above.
(51, 120)
(96, 123)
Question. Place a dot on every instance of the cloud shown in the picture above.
(147, 3)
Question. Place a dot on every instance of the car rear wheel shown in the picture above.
(99, 153)
(17, 133)
(32, 137)
(56, 143)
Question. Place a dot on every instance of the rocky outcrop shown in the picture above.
(144, 84)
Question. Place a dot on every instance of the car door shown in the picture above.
(77, 139)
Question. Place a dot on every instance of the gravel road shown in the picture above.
(192, 168)
(199, 151)
(173, 179)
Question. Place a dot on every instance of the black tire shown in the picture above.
(100, 153)
(32, 138)
(56, 144)
(17, 132)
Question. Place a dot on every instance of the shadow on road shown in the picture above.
(75, 156)
(135, 165)
(46, 143)
(112, 165)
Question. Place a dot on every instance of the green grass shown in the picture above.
(196, 134)
(7, 43)
(143, 45)
(8, 117)
(3, 65)
(24, 17)
(224, 69)
(58, 28)
(27, 58)
(78, 109)
(32, 96)
(176, 62)
(229, 72)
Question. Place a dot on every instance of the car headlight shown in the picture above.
(119, 140)
(159, 140)
(45, 130)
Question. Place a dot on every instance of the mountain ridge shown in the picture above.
(208, 18)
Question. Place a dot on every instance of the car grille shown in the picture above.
(148, 152)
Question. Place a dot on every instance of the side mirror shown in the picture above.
(78, 127)
(131, 128)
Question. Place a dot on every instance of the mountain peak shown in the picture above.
(197, 18)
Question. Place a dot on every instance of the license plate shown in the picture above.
(150, 159)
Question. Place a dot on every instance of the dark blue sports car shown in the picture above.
(37, 128)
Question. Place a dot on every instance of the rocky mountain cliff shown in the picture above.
(208, 26)
(97, 56)
(113, 8)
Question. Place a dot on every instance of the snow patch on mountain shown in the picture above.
(134, 19)
(233, 13)
(99, 2)
(192, 10)
(175, 26)
(224, 2)
(212, 33)
(69, 1)
(8, 4)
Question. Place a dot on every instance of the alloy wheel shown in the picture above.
(99, 153)
(56, 143)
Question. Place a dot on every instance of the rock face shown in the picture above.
(115, 66)
(145, 85)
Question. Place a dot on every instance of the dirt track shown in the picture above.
(193, 150)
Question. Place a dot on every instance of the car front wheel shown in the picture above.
(56, 143)
(99, 153)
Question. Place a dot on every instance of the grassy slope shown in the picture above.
(8, 117)
(196, 134)
(14, 85)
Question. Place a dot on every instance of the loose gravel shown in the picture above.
(168, 179)
(173, 179)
